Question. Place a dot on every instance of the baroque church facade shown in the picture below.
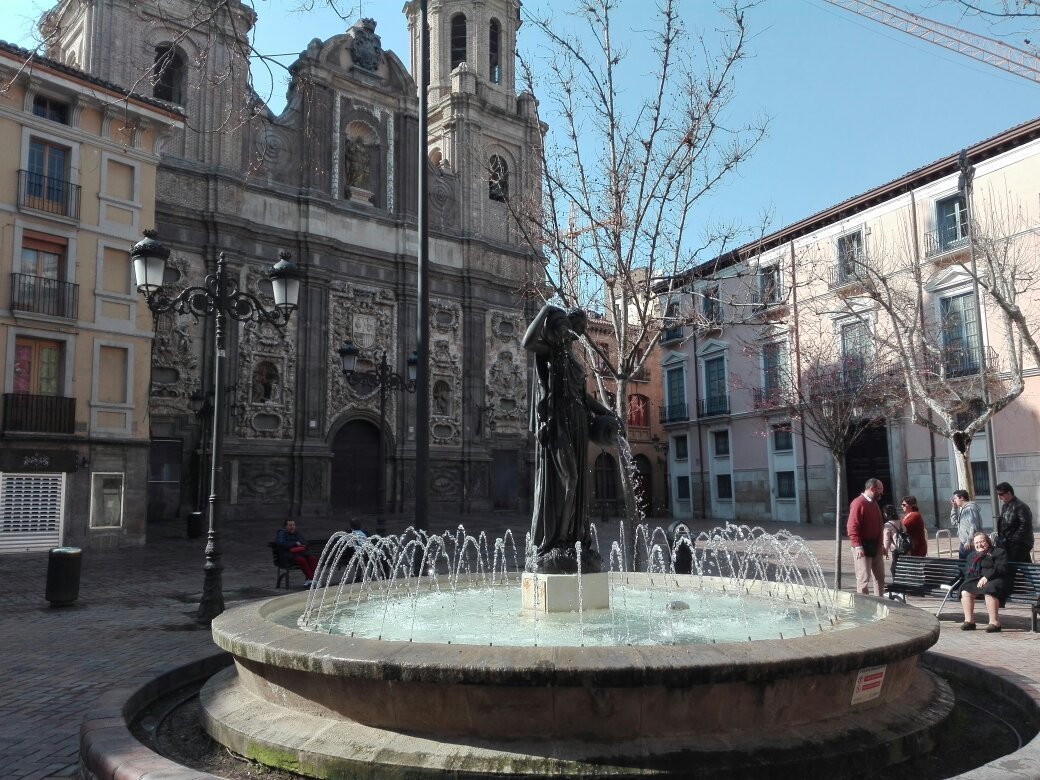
(333, 180)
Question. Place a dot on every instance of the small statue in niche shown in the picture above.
(356, 164)
(265, 382)
(441, 398)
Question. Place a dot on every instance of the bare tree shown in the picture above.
(832, 393)
(931, 316)
(635, 144)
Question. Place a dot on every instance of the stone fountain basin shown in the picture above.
(599, 694)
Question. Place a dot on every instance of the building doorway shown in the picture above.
(164, 479)
(355, 468)
(866, 458)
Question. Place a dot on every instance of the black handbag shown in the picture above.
(869, 547)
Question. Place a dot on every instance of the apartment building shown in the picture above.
(747, 325)
(77, 184)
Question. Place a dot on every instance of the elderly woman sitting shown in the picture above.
(985, 575)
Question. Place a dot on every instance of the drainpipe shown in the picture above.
(798, 363)
(920, 309)
(700, 445)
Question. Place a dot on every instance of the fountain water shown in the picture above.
(466, 584)
(357, 678)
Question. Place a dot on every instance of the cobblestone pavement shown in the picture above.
(136, 610)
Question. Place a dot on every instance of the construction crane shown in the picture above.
(988, 50)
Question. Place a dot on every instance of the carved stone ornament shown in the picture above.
(368, 317)
(175, 362)
(367, 47)
(274, 148)
(265, 393)
(446, 373)
(445, 481)
(263, 480)
(506, 372)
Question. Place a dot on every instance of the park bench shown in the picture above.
(1025, 587)
(921, 576)
(314, 547)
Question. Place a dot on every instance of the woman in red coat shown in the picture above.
(913, 524)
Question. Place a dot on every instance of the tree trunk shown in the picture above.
(839, 469)
(962, 461)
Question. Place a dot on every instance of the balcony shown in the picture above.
(49, 194)
(847, 273)
(671, 413)
(26, 413)
(713, 405)
(946, 239)
(768, 397)
(42, 295)
(669, 335)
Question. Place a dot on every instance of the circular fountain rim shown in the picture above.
(248, 632)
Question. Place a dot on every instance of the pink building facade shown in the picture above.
(753, 319)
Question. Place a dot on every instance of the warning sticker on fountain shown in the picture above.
(868, 684)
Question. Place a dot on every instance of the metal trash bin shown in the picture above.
(63, 568)
(194, 525)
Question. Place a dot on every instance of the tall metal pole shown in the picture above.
(212, 603)
(422, 336)
(966, 185)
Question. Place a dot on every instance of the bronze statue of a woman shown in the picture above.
(562, 419)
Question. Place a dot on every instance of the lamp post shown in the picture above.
(219, 297)
(385, 380)
(202, 405)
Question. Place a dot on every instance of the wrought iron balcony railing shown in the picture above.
(43, 295)
(768, 397)
(713, 405)
(27, 413)
(48, 193)
(945, 239)
(676, 412)
(672, 334)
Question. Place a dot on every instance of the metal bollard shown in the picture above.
(63, 568)
(194, 525)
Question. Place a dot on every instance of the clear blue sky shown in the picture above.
(852, 103)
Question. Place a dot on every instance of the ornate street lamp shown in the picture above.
(385, 380)
(218, 297)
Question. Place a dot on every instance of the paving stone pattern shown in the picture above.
(136, 614)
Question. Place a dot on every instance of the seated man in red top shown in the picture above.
(292, 548)
(865, 528)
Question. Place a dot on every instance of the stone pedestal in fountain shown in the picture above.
(545, 593)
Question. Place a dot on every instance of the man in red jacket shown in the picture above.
(865, 526)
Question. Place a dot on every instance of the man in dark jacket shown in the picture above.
(1014, 526)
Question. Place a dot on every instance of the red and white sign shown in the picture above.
(869, 682)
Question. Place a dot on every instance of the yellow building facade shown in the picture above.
(78, 161)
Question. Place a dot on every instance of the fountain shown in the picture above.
(355, 679)
(435, 655)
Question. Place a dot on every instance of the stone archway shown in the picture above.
(355, 468)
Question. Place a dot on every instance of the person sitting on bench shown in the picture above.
(292, 549)
(986, 575)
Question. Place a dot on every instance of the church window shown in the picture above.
(458, 40)
(168, 74)
(498, 180)
(494, 61)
